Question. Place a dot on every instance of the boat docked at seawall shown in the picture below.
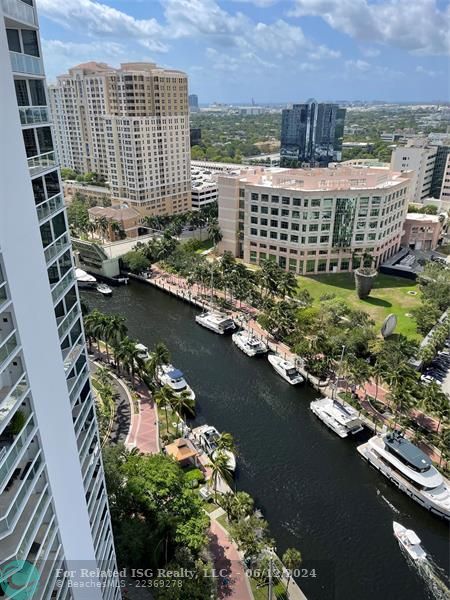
(84, 280)
(339, 416)
(409, 540)
(410, 469)
(207, 436)
(286, 369)
(143, 353)
(216, 322)
(174, 378)
(249, 343)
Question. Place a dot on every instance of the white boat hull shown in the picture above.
(417, 495)
(246, 349)
(274, 362)
(329, 422)
(415, 550)
(204, 321)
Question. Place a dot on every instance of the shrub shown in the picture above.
(194, 476)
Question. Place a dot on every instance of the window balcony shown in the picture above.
(42, 162)
(11, 447)
(63, 284)
(25, 63)
(78, 383)
(30, 115)
(68, 320)
(12, 393)
(56, 247)
(7, 347)
(13, 498)
(19, 11)
(3, 296)
(50, 207)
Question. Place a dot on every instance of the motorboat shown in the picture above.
(286, 369)
(216, 322)
(104, 289)
(143, 352)
(249, 343)
(174, 378)
(206, 436)
(410, 469)
(84, 280)
(409, 540)
(339, 416)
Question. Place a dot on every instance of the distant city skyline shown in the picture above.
(271, 50)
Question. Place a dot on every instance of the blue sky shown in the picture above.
(269, 50)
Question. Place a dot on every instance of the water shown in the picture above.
(316, 492)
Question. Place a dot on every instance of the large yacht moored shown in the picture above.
(286, 369)
(206, 436)
(249, 343)
(216, 322)
(174, 378)
(410, 469)
(339, 416)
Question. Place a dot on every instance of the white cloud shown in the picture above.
(415, 25)
(99, 20)
(358, 65)
(428, 72)
(363, 69)
(370, 52)
(322, 52)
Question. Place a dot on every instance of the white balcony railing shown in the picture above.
(50, 207)
(29, 115)
(38, 164)
(20, 11)
(25, 63)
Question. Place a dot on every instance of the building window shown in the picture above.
(310, 266)
(274, 211)
(264, 210)
(264, 198)
(254, 220)
(315, 202)
(345, 265)
(263, 233)
(21, 92)
(273, 235)
(30, 142)
(45, 139)
(263, 222)
(322, 265)
(314, 227)
(253, 256)
(285, 200)
(275, 199)
(13, 40)
(294, 238)
(273, 223)
(324, 239)
(254, 208)
(37, 92)
(253, 231)
(255, 196)
(30, 43)
(312, 239)
(295, 226)
(359, 237)
(296, 201)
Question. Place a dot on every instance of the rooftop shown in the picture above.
(423, 217)
(410, 453)
(338, 177)
(118, 214)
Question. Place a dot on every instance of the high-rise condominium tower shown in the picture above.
(53, 505)
(311, 133)
(130, 125)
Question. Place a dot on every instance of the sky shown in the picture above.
(268, 50)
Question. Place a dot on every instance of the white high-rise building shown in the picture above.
(130, 125)
(419, 157)
(54, 510)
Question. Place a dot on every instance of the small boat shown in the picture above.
(104, 289)
(410, 541)
(174, 378)
(249, 343)
(143, 351)
(286, 369)
(84, 280)
(339, 416)
(216, 322)
(206, 436)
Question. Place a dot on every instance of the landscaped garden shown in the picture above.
(389, 295)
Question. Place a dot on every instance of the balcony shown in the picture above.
(13, 446)
(68, 320)
(15, 495)
(7, 347)
(76, 383)
(26, 64)
(30, 115)
(49, 208)
(56, 247)
(19, 11)
(42, 162)
(3, 295)
(12, 393)
(63, 284)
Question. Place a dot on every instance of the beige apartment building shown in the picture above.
(419, 157)
(130, 125)
(423, 232)
(313, 220)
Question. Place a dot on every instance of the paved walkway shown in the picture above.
(144, 433)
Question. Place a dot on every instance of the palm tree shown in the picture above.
(219, 470)
(377, 372)
(183, 404)
(243, 505)
(164, 398)
(292, 559)
(129, 356)
(226, 501)
(159, 356)
(94, 324)
(288, 284)
(214, 232)
(102, 375)
(225, 443)
(117, 331)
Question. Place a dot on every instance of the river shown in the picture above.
(314, 489)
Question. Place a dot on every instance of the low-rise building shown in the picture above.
(313, 220)
(127, 218)
(94, 193)
(204, 187)
(423, 232)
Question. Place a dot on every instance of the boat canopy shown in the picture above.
(175, 374)
(407, 452)
(412, 537)
(141, 348)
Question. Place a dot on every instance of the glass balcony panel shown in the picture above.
(20, 11)
(62, 243)
(49, 207)
(11, 448)
(42, 162)
(11, 394)
(62, 285)
(30, 115)
(8, 347)
(25, 63)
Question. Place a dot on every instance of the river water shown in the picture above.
(314, 489)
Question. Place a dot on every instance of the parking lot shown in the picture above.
(439, 369)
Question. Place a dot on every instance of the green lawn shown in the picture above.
(205, 245)
(261, 593)
(389, 295)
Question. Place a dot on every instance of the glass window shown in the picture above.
(38, 190)
(273, 223)
(254, 208)
(30, 142)
(285, 200)
(264, 198)
(21, 92)
(52, 183)
(263, 221)
(322, 265)
(30, 43)
(252, 255)
(294, 238)
(296, 201)
(295, 227)
(253, 231)
(65, 263)
(45, 139)
(295, 214)
(312, 239)
(59, 225)
(325, 227)
(283, 237)
(262, 256)
(324, 239)
(263, 233)
(254, 220)
(274, 211)
(372, 236)
(345, 265)
(37, 92)
(46, 234)
(13, 40)
(284, 212)
(359, 237)
(327, 203)
(255, 196)
(310, 266)
(284, 225)
(273, 235)
(315, 215)
(292, 264)
(275, 199)
(315, 202)
(53, 274)
(326, 214)
(305, 202)
(264, 210)
(314, 227)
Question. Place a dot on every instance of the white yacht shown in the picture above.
(410, 469)
(410, 541)
(249, 343)
(216, 322)
(104, 289)
(84, 280)
(143, 352)
(206, 436)
(174, 378)
(339, 416)
(286, 369)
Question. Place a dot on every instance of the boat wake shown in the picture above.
(434, 577)
(391, 506)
